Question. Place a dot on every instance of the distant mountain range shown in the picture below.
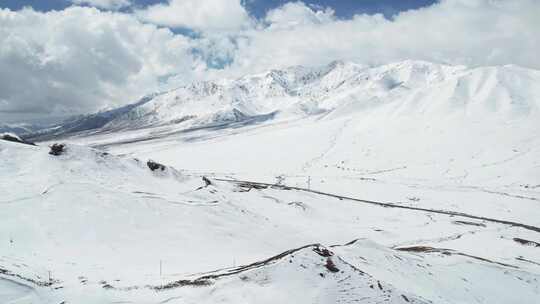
(335, 89)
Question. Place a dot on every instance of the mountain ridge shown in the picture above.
(412, 87)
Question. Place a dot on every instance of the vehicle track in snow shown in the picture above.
(333, 141)
(259, 185)
(505, 160)
(503, 193)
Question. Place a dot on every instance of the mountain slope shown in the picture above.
(341, 88)
(91, 227)
(412, 132)
(409, 182)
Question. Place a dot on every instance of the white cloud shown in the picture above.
(471, 32)
(297, 13)
(82, 59)
(201, 15)
(105, 4)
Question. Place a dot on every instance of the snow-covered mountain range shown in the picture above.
(19, 128)
(411, 182)
(408, 87)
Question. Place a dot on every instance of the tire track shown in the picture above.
(382, 204)
(333, 141)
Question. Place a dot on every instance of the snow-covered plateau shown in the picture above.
(411, 182)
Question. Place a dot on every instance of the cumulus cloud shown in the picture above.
(294, 14)
(200, 15)
(82, 59)
(470, 32)
(105, 4)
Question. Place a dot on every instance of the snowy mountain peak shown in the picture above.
(409, 87)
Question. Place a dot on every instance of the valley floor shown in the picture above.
(342, 210)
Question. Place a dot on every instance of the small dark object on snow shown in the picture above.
(11, 138)
(469, 223)
(418, 249)
(107, 286)
(155, 166)
(180, 283)
(247, 186)
(206, 181)
(298, 204)
(331, 266)
(526, 242)
(57, 149)
(323, 252)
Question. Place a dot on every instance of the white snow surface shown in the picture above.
(96, 225)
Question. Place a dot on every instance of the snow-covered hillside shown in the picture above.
(19, 128)
(410, 124)
(90, 227)
(341, 88)
(411, 182)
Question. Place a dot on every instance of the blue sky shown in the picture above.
(258, 8)
(347, 8)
